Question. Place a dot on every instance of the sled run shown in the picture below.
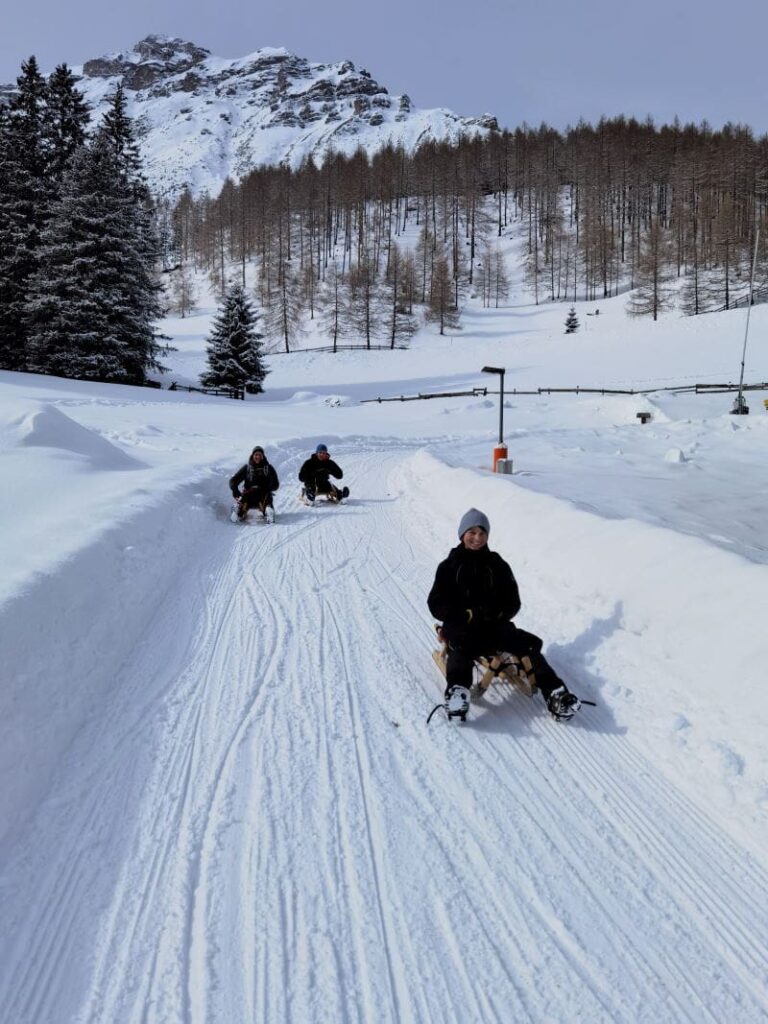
(255, 824)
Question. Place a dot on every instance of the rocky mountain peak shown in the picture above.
(201, 119)
(150, 60)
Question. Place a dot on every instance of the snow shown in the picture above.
(220, 800)
(231, 119)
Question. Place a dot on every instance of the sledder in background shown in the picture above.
(315, 475)
(475, 595)
(260, 482)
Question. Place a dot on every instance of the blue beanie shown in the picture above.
(473, 518)
(321, 448)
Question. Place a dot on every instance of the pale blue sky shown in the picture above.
(542, 60)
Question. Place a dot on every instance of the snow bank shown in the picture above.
(48, 427)
(65, 638)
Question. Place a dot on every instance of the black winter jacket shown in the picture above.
(315, 472)
(263, 478)
(477, 580)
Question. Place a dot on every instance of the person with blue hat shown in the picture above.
(315, 475)
(475, 596)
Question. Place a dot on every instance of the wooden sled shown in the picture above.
(493, 668)
(327, 499)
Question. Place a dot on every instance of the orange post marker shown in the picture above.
(499, 452)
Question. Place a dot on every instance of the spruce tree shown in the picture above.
(25, 194)
(117, 128)
(94, 301)
(16, 258)
(571, 322)
(234, 346)
(66, 119)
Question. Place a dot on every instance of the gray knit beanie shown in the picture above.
(473, 518)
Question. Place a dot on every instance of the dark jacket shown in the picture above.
(479, 582)
(262, 478)
(315, 472)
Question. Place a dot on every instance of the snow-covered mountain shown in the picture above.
(203, 118)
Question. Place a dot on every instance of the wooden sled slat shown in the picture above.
(519, 673)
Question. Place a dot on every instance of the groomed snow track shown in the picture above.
(255, 823)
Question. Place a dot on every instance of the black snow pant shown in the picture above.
(465, 644)
(258, 498)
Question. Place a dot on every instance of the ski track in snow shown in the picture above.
(262, 827)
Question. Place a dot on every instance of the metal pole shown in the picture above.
(501, 410)
(740, 399)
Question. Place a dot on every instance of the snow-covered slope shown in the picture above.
(202, 118)
(219, 799)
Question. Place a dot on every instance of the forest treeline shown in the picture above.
(367, 246)
(669, 213)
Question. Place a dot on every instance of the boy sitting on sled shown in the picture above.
(475, 596)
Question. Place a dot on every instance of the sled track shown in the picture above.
(261, 826)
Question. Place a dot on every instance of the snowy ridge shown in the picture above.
(202, 119)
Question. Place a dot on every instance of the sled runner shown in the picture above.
(238, 516)
(330, 498)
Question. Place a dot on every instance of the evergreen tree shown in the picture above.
(117, 127)
(66, 118)
(25, 194)
(94, 300)
(234, 346)
(571, 322)
(16, 260)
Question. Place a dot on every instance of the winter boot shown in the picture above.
(562, 705)
(457, 701)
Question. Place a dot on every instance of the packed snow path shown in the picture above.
(259, 826)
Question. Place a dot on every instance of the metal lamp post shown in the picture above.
(500, 451)
(740, 407)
